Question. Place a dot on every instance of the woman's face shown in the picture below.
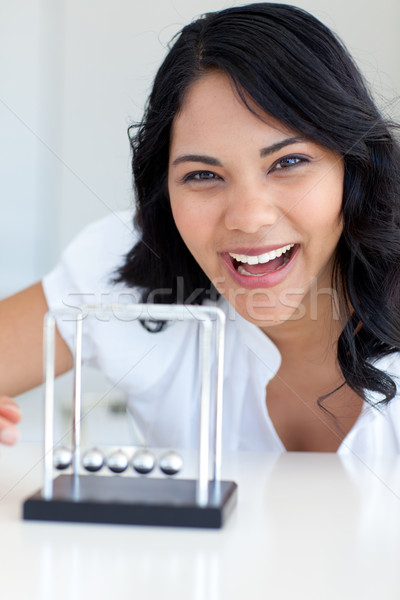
(258, 206)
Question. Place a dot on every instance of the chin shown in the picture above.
(262, 317)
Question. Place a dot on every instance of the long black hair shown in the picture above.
(298, 71)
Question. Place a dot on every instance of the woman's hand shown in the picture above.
(10, 415)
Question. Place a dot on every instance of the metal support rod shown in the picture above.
(205, 401)
(220, 347)
(48, 372)
(77, 409)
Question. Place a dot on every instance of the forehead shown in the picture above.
(212, 105)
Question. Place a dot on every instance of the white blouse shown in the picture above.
(159, 371)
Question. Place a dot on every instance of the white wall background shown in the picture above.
(75, 73)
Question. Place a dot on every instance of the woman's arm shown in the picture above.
(21, 343)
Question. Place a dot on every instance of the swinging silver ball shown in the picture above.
(171, 463)
(93, 460)
(117, 462)
(143, 461)
(62, 458)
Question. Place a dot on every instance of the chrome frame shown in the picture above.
(208, 317)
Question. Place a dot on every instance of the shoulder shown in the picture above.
(102, 245)
(89, 263)
(86, 270)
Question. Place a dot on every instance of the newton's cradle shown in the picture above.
(85, 494)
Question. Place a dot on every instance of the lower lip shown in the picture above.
(268, 280)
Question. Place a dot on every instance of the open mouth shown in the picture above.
(263, 264)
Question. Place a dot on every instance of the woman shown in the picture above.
(266, 179)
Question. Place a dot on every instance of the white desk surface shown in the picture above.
(310, 526)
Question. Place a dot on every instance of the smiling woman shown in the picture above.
(272, 201)
(266, 181)
(245, 154)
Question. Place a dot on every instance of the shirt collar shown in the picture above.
(256, 341)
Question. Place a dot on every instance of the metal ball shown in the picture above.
(62, 458)
(93, 460)
(117, 462)
(171, 463)
(143, 461)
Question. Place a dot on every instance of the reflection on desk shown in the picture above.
(312, 526)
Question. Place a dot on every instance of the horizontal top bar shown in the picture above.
(154, 312)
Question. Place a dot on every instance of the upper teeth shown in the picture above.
(261, 258)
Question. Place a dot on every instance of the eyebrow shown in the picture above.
(208, 160)
(280, 145)
(214, 162)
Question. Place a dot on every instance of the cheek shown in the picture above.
(191, 224)
(195, 218)
(180, 213)
(180, 218)
(319, 212)
(321, 222)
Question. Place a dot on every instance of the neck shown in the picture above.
(312, 333)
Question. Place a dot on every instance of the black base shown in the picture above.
(132, 501)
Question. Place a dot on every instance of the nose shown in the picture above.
(250, 207)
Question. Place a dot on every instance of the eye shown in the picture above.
(200, 176)
(288, 162)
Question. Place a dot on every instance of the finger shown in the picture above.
(10, 410)
(9, 434)
(8, 401)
